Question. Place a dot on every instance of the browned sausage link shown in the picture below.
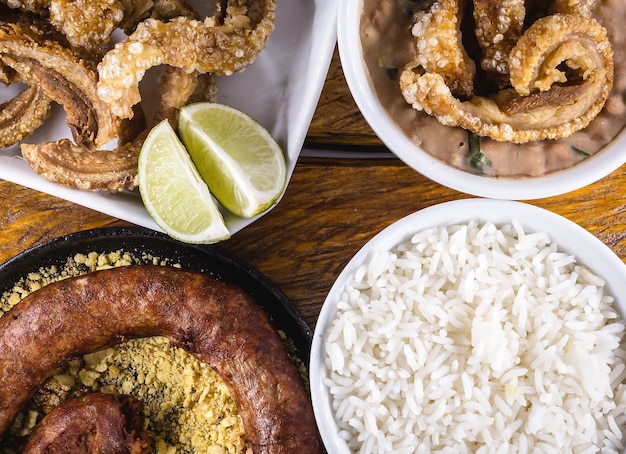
(220, 324)
(92, 423)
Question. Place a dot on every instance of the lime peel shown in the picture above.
(173, 191)
(243, 166)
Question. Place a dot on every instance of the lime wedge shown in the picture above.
(239, 160)
(173, 192)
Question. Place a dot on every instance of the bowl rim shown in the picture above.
(568, 236)
(601, 164)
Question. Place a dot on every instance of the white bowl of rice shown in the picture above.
(477, 325)
(375, 44)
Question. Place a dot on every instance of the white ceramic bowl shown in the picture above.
(560, 182)
(569, 237)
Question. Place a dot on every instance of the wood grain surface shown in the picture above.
(331, 208)
(337, 122)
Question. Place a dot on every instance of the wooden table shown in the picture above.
(331, 208)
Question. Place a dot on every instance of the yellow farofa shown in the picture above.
(186, 404)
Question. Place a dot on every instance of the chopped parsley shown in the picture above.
(477, 159)
(392, 72)
(581, 152)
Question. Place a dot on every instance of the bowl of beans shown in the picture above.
(520, 103)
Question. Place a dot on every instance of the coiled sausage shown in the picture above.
(94, 423)
(218, 323)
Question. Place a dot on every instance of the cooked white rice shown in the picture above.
(477, 338)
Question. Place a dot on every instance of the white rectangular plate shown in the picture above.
(281, 90)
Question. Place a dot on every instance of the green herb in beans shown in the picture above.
(580, 152)
(477, 159)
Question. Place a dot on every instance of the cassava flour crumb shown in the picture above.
(477, 338)
(187, 405)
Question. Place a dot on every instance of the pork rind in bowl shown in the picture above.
(474, 324)
(447, 107)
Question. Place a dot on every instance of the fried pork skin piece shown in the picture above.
(70, 165)
(32, 49)
(21, 115)
(580, 43)
(87, 24)
(218, 323)
(439, 48)
(114, 170)
(209, 46)
(498, 27)
(26, 111)
(93, 423)
(552, 109)
(581, 7)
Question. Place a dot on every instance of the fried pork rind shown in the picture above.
(580, 43)
(439, 48)
(547, 102)
(86, 24)
(70, 81)
(115, 170)
(70, 165)
(24, 113)
(581, 7)
(31, 51)
(205, 46)
(498, 27)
